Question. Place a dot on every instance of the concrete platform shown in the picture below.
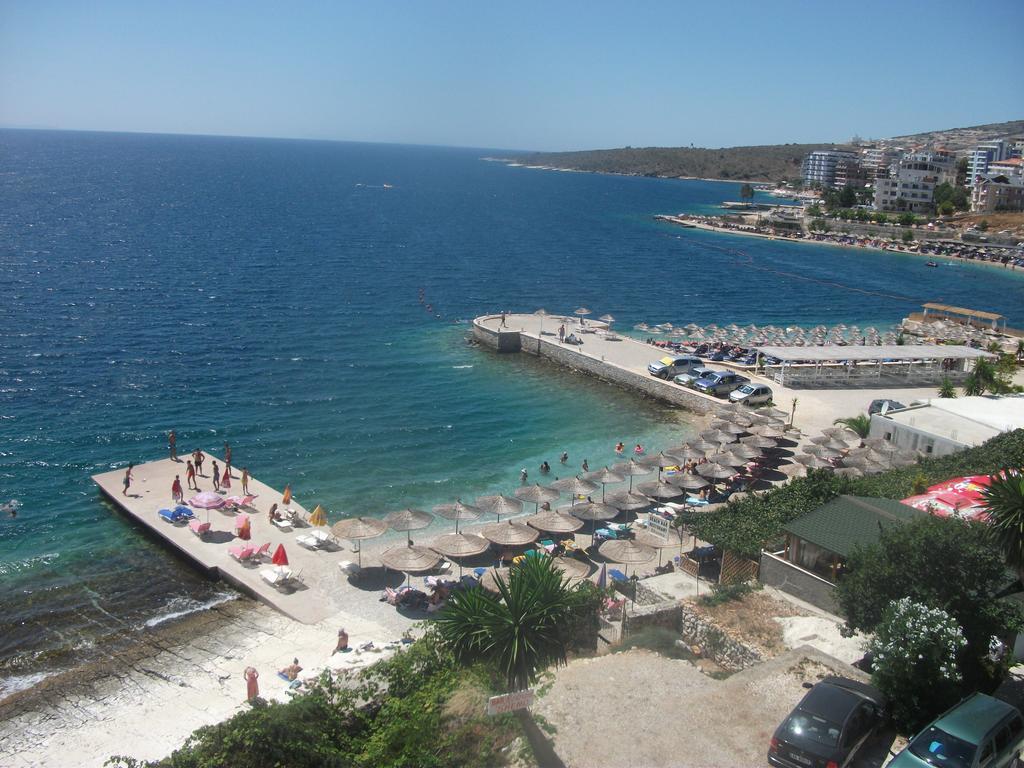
(623, 361)
(151, 491)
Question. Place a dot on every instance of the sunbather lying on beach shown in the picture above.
(291, 672)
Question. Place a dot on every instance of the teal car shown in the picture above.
(979, 732)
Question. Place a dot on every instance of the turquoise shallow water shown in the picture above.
(267, 293)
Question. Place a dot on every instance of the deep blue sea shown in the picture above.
(267, 293)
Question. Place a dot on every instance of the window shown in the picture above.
(987, 752)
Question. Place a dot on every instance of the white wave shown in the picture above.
(14, 683)
(459, 367)
(187, 606)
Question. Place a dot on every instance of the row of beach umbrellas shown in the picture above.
(771, 335)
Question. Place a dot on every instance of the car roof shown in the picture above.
(835, 697)
(974, 717)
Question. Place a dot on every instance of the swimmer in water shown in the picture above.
(564, 457)
(620, 447)
(638, 450)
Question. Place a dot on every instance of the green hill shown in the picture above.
(773, 162)
(770, 162)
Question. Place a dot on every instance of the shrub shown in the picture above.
(726, 593)
(914, 661)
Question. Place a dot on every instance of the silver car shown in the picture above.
(751, 394)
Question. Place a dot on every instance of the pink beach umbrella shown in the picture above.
(207, 500)
(280, 556)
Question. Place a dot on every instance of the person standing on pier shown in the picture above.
(561, 333)
(172, 443)
(198, 455)
(127, 479)
(225, 479)
(176, 493)
(227, 459)
(190, 476)
(245, 481)
(216, 476)
(503, 323)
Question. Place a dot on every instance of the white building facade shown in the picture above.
(912, 181)
(819, 167)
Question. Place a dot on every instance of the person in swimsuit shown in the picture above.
(586, 465)
(564, 457)
(620, 447)
(216, 477)
(127, 479)
(176, 493)
(190, 476)
(172, 444)
(245, 480)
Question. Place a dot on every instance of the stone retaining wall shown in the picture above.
(714, 642)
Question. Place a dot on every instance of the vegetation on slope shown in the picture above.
(774, 162)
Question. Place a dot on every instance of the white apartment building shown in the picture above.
(912, 181)
(980, 157)
(819, 167)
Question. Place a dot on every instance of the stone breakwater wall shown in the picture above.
(715, 643)
(570, 357)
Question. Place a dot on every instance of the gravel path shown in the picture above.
(640, 710)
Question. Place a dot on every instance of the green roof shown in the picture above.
(847, 522)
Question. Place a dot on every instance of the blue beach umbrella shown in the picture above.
(602, 578)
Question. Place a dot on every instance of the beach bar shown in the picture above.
(876, 365)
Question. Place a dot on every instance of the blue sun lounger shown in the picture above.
(617, 575)
(176, 515)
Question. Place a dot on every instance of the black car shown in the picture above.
(884, 406)
(828, 726)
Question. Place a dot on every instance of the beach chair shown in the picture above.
(324, 538)
(198, 528)
(263, 551)
(284, 525)
(172, 516)
(308, 541)
(242, 553)
(275, 575)
(183, 512)
(616, 575)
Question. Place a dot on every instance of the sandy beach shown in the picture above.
(811, 241)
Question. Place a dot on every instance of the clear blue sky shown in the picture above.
(531, 75)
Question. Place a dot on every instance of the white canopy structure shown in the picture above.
(835, 365)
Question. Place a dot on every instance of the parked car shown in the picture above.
(979, 731)
(829, 725)
(687, 379)
(719, 383)
(751, 394)
(884, 406)
(667, 367)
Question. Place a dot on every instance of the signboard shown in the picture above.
(509, 702)
(659, 526)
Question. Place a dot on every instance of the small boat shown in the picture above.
(931, 264)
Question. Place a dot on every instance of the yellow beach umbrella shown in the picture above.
(287, 498)
(318, 517)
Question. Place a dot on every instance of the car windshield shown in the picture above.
(808, 727)
(936, 747)
(746, 389)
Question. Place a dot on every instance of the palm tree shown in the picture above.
(982, 379)
(523, 629)
(946, 389)
(860, 424)
(1004, 500)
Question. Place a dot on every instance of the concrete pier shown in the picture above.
(623, 361)
(150, 491)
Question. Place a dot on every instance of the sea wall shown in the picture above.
(572, 358)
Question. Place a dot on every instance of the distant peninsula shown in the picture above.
(774, 163)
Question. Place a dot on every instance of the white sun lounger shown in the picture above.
(284, 525)
(308, 541)
(276, 575)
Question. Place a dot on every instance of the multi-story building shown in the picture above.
(992, 193)
(820, 167)
(1010, 167)
(912, 181)
(875, 162)
(981, 156)
(849, 173)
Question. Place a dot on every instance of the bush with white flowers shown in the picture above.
(915, 651)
